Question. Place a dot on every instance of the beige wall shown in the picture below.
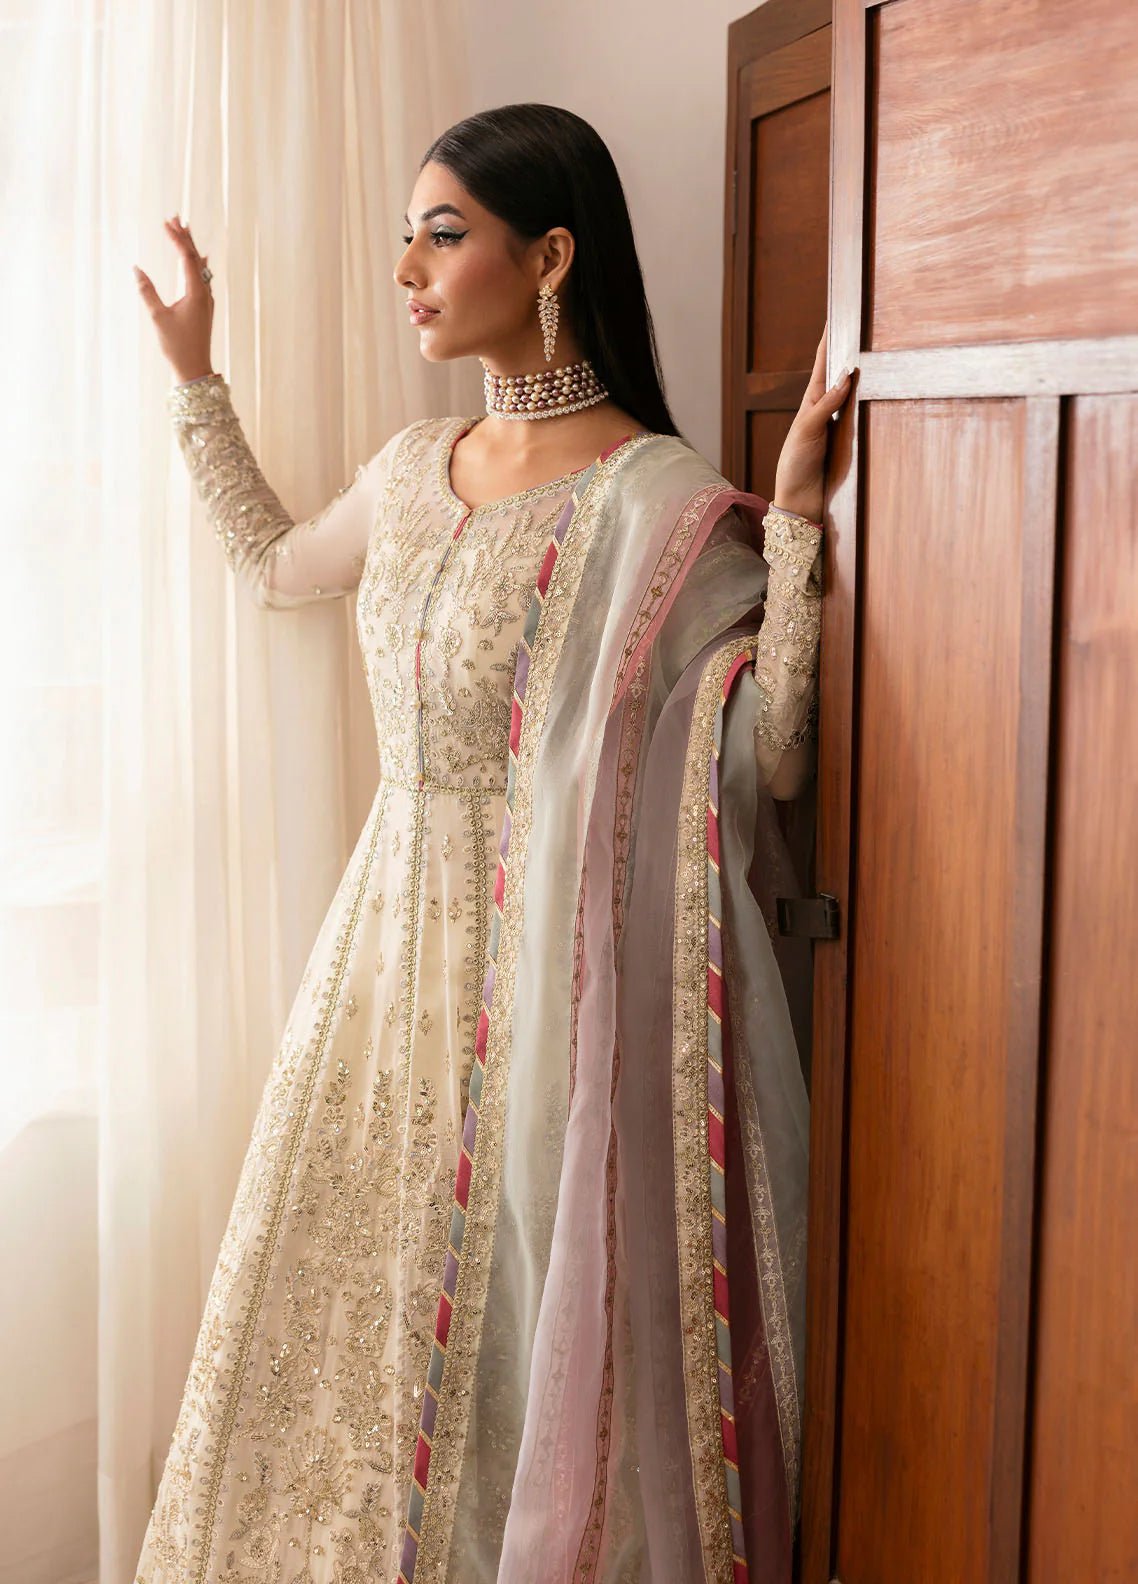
(652, 79)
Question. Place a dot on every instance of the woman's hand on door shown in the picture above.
(799, 477)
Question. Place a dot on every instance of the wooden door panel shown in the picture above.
(788, 111)
(972, 1304)
(974, 1109)
(941, 540)
(998, 137)
(778, 112)
(1084, 1474)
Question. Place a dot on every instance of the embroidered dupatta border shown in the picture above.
(486, 1094)
(700, 1049)
(631, 736)
(462, 1296)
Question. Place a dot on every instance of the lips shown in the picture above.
(419, 313)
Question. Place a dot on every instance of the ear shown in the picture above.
(557, 255)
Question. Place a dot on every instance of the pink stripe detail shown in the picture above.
(546, 571)
(442, 1324)
(462, 1179)
(737, 665)
(715, 992)
(616, 445)
(715, 1139)
(422, 1461)
(713, 511)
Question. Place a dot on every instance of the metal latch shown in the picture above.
(815, 917)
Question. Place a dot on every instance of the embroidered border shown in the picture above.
(719, 1074)
(479, 1167)
(697, 1108)
(219, 1451)
(628, 759)
(575, 984)
(663, 578)
(768, 1263)
(694, 524)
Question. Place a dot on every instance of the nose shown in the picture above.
(402, 274)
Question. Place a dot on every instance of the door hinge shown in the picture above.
(816, 917)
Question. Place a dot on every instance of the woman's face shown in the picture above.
(467, 264)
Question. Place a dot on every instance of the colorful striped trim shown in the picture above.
(718, 1080)
(422, 1460)
(631, 736)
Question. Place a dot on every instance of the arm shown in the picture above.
(786, 667)
(284, 563)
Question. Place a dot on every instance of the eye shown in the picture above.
(443, 237)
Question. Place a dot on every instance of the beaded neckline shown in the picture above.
(519, 498)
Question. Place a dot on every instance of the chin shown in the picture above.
(432, 352)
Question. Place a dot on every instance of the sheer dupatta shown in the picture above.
(615, 1387)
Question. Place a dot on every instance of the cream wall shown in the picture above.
(652, 79)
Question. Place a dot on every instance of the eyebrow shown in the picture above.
(429, 214)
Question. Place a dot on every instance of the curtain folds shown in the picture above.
(185, 775)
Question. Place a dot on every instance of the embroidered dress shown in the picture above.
(295, 1450)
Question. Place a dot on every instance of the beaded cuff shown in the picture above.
(247, 516)
(197, 399)
(786, 665)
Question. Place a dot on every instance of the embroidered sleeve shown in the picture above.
(284, 563)
(786, 667)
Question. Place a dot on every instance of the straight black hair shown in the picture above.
(536, 166)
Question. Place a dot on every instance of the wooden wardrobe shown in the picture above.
(955, 183)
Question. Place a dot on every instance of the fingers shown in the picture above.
(830, 403)
(146, 290)
(817, 381)
(191, 259)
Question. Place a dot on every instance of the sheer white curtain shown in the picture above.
(184, 775)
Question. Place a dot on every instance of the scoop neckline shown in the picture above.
(462, 426)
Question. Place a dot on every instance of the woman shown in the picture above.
(527, 1181)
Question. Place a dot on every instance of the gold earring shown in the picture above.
(547, 309)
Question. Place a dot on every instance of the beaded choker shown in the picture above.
(545, 394)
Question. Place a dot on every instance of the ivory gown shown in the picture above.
(291, 1456)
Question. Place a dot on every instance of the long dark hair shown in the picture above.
(536, 166)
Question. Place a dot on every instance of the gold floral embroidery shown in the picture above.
(292, 1452)
(770, 1263)
(467, 643)
(786, 663)
(665, 573)
(474, 1268)
(689, 1084)
(253, 528)
(263, 1189)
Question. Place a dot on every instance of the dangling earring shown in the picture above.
(547, 308)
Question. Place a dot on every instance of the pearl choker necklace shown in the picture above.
(545, 394)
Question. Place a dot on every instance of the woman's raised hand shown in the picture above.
(183, 326)
(799, 477)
